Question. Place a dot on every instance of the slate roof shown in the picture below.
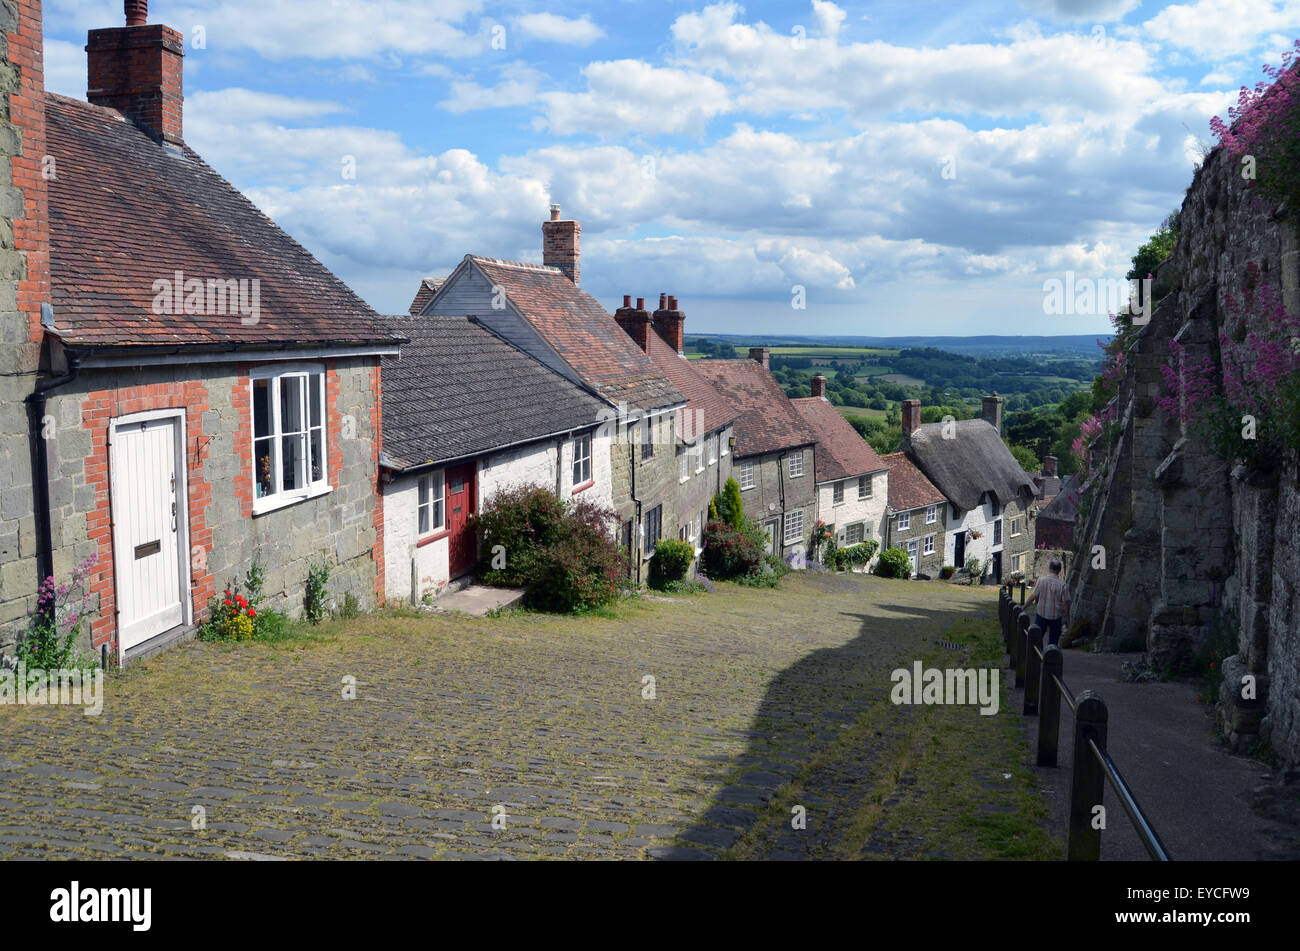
(767, 420)
(126, 212)
(1064, 505)
(428, 287)
(583, 333)
(841, 452)
(459, 390)
(908, 486)
(963, 468)
(714, 412)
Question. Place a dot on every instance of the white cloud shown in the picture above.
(632, 96)
(65, 68)
(234, 105)
(1220, 29)
(517, 87)
(557, 29)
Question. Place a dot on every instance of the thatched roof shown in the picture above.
(973, 462)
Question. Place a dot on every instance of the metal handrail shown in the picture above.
(1146, 832)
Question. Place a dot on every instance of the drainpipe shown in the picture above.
(36, 404)
(636, 523)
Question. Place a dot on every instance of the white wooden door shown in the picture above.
(148, 508)
(913, 554)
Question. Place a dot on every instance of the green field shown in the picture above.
(902, 379)
(861, 411)
(833, 353)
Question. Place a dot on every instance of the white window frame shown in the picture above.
(713, 449)
(931, 514)
(722, 444)
(837, 493)
(904, 521)
(864, 482)
(848, 529)
(683, 464)
(434, 503)
(928, 548)
(697, 449)
(796, 463)
(791, 518)
(582, 469)
(746, 474)
(1015, 527)
(275, 374)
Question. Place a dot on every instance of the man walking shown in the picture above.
(1053, 599)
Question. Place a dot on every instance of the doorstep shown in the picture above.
(478, 600)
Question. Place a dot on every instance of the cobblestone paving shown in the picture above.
(542, 719)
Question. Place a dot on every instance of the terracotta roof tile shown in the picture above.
(908, 486)
(428, 287)
(841, 452)
(126, 212)
(583, 333)
(708, 409)
(768, 421)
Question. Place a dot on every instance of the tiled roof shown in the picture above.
(459, 390)
(126, 212)
(841, 452)
(1064, 506)
(708, 410)
(428, 287)
(974, 461)
(583, 333)
(908, 486)
(767, 422)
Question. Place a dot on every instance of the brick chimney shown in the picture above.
(993, 411)
(763, 355)
(635, 321)
(911, 416)
(136, 69)
(670, 323)
(1049, 466)
(24, 261)
(819, 386)
(560, 241)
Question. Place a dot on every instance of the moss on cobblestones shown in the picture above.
(758, 693)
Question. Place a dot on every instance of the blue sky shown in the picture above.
(916, 166)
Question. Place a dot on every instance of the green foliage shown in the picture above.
(947, 571)
(238, 614)
(731, 551)
(522, 521)
(1153, 252)
(831, 554)
(562, 554)
(767, 574)
(861, 553)
(886, 439)
(318, 577)
(894, 563)
(975, 568)
(350, 608)
(1028, 461)
(670, 562)
(729, 506)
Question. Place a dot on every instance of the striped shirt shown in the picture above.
(1053, 597)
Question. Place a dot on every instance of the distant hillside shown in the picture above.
(1072, 345)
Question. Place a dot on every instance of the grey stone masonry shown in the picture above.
(1193, 544)
(776, 493)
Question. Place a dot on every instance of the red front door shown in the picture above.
(461, 495)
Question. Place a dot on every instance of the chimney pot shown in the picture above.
(670, 323)
(640, 303)
(627, 300)
(560, 244)
(137, 12)
(663, 301)
(672, 302)
(1049, 466)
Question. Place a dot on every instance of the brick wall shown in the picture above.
(24, 284)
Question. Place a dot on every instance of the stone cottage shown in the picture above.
(541, 310)
(202, 392)
(704, 424)
(915, 521)
(852, 480)
(989, 495)
(774, 454)
(467, 415)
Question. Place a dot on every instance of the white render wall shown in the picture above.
(870, 511)
(533, 464)
(980, 519)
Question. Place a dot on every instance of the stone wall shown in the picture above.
(339, 528)
(776, 492)
(1174, 545)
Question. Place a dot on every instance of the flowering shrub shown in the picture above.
(562, 554)
(733, 551)
(235, 616)
(1264, 131)
(860, 553)
(54, 628)
(821, 536)
(1250, 409)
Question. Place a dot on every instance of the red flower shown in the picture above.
(227, 602)
(252, 613)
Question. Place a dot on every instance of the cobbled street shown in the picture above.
(762, 701)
